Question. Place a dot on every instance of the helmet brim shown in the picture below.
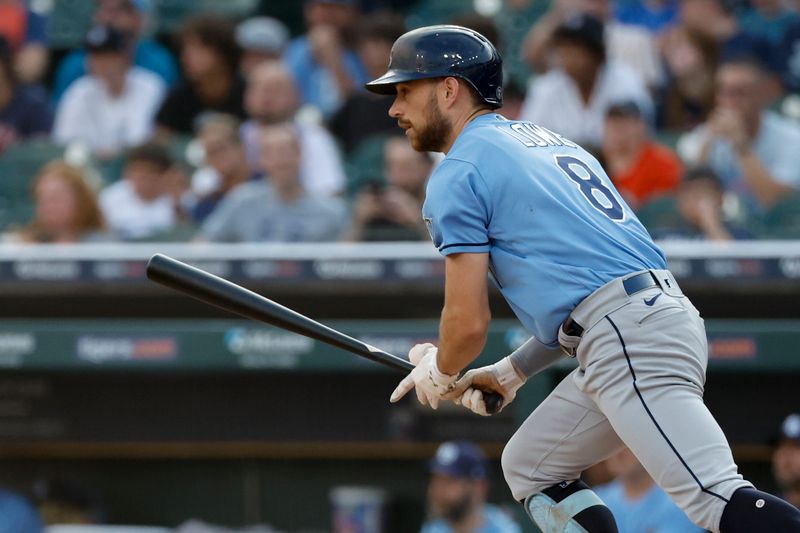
(386, 84)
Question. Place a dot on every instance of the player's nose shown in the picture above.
(394, 111)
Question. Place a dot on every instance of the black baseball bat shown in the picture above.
(227, 295)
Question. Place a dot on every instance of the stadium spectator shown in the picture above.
(24, 109)
(210, 61)
(18, 515)
(364, 113)
(112, 107)
(321, 61)
(271, 98)
(639, 167)
(66, 210)
(25, 30)
(632, 46)
(789, 58)
(391, 211)
(277, 208)
(261, 39)
(751, 148)
(457, 493)
(141, 204)
(130, 18)
(225, 157)
(786, 460)
(690, 58)
(572, 99)
(699, 211)
(637, 503)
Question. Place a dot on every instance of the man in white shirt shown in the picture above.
(271, 97)
(753, 150)
(140, 205)
(112, 107)
(572, 99)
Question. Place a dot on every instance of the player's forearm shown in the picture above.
(533, 357)
(462, 337)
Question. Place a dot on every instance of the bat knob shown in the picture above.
(493, 401)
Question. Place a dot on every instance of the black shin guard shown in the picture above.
(752, 511)
(594, 519)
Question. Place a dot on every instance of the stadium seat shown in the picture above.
(170, 14)
(365, 163)
(18, 166)
(69, 21)
(660, 214)
(436, 12)
(783, 220)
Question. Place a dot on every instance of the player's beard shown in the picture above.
(433, 137)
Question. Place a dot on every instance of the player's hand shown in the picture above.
(428, 381)
(500, 377)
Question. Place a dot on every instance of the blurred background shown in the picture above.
(236, 135)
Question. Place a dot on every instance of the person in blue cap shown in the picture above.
(457, 493)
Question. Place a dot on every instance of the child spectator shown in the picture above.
(277, 208)
(66, 210)
(130, 18)
(786, 459)
(140, 204)
(210, 60)
(391, 211)
(699, 206)
(111, 108)
(24, 109)
(639, 167)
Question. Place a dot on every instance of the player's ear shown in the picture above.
(450, 89)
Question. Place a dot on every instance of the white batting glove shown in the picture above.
(500, 377)
(428, 381)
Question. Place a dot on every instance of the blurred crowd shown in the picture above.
(236, 127)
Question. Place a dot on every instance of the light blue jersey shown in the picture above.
(545, 211)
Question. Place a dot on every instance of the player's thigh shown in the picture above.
(647, 377)
(564, 436)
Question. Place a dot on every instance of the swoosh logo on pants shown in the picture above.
(652, 300)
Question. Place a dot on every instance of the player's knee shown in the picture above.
(513, 462)
(754, 511)
(569, 508)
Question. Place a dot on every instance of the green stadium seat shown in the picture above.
(783, 220)
(660, 213)
(18, 166)
(365, 164)
(428, 12)
(170, 14)
(69, 21)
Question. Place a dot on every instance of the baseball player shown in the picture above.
(584, 277)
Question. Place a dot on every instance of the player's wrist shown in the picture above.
(440, 378)
(507, 374)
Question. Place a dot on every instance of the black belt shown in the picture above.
(632, 285)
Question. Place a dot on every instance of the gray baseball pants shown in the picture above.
(641, 370)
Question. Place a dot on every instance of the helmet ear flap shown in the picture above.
(445, 51)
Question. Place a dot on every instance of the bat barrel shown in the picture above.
(221, 293)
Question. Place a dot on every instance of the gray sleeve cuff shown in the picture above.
(533, 357)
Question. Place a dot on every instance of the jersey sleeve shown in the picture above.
(457, 209)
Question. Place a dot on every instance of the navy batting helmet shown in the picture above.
(441, 51)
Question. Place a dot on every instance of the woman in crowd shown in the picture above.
(66, 209)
